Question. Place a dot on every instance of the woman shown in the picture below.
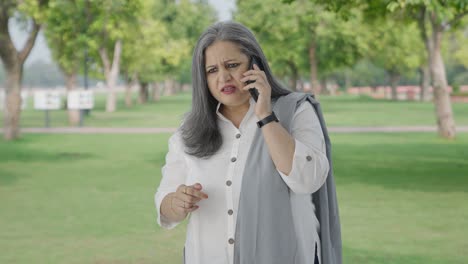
(245, 178)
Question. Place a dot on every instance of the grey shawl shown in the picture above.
(264, 228)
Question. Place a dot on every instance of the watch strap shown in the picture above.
(271, 118)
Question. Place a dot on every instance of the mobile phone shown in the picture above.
(253, 91)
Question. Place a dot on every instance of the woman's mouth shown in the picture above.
(228, 89)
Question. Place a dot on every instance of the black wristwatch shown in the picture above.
(267, 120)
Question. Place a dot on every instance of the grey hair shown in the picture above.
(200, 132)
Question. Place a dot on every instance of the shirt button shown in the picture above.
(308, 158)
(231, 241)
(238, 135)
(228, 183)
(233, 159)
(230, 212)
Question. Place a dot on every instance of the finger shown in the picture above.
(195, 207)
(196, 192)
(259, 85)
(189, 198)
(177, 206)
(182, 188)
(252, 72)
(197, 186)
(183, 204)
(250, 78)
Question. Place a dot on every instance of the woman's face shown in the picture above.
(224, 66)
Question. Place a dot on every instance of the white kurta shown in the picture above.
(212, 226)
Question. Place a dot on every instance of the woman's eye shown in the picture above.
(212, 70)
(233, 65)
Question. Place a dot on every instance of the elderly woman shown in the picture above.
(252, 174)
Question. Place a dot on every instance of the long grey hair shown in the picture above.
(200, 131)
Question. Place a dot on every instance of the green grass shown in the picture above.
(89, 199)
(364, 111)
(339, 111)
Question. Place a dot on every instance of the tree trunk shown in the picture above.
(323, 86)
(186, 87)
(144, 93)
(347, 75)
(169, 86)
(12, 110)
(128, 90)
(443, 105)
(294, 76)
(111, 72)
(424, 82)
(177, 87)
(314, 83)
(128, 94)
(394, 80)
(13, 61)
(73, 114)
(156, 92)
(425, 71)
(301, 85)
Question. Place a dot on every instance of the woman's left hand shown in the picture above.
(263, 105)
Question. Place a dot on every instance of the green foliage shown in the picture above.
(160, 45)
(34, 9)
(286, 31)
(66, 33)
(185, 21)
(396, 47)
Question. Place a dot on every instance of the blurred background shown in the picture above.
(91, 90)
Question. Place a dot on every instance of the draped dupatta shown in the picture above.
(265, 231)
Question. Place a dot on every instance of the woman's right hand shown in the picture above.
(185, 199)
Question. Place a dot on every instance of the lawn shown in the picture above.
(89, 199)
(339, 111)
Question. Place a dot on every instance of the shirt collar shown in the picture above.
(247, 115)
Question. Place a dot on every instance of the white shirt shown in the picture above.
(211, 226)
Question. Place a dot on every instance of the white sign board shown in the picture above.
(82, 99)
(24, 100)
(47, 100)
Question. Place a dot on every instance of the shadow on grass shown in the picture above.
(20, 151)
(410, 166)
(7, 177)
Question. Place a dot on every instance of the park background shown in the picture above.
(71, 194)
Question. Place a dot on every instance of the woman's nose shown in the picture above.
(224, 75)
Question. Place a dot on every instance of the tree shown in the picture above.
(396, 48)
(65, 33)
(281, 39)
(109, 24)
(145, 48)
(31, 11)
(434, 18)
(185, 21)
(303, 37)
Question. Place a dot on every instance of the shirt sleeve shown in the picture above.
(310, 164)
(174, 173)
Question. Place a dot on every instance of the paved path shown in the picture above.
(146, 130)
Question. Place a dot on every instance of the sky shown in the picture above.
(42, 52)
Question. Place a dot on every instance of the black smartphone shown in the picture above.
(253, 91)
